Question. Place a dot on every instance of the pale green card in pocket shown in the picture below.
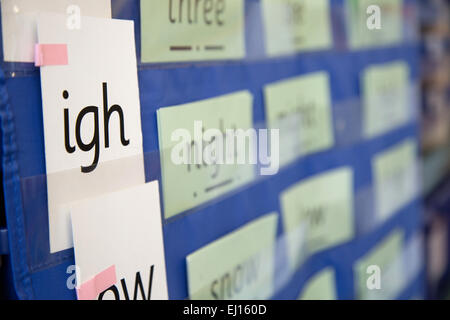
(239, 265)
(396, 180)
(318, 213)
(320, 287)
(307, 100)
(385, 97)
(185, 30)
(386, 257)
(188, 185)
(390, 31)
(296, 25)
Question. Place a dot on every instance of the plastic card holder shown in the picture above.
(165, 84)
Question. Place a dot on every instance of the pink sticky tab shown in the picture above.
(99, 283)
(50, 55)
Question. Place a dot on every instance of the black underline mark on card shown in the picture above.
(197, 48)
(180, 48)
(219, 185)
(214, 48)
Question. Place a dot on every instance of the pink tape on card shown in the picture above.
(50, 55)
(99, 283)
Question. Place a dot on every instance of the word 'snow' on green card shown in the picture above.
(179, 30)
(301, 108)
(320, 287)
(239, 265)
(385, 97)
(188, 185)
(296, 25)
(387, 258)
(396, 183)
(318, 213)
(360, 28)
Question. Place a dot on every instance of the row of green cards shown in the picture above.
(202, 30)
(241, 264)
(317, 214)
(378, 273)
(300, 107)
(321, 208)
(215, 29)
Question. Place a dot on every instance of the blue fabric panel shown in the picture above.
(41, 275)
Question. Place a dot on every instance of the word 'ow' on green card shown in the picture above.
(318, 213)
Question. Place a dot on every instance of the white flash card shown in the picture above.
(19, 22)
(91, 113)
(122, 229)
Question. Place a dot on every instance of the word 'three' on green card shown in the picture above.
(296, 25)
(188, 185)
(391, 28)
(239, 265)
(318, 213)
(301, 108)
(180, 30)
(396, 179)
(385, 261)
(320, 287)
(385, 90)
